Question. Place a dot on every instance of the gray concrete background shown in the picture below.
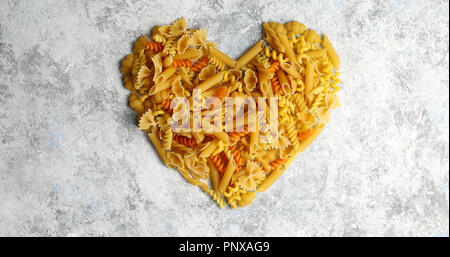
(73, 163)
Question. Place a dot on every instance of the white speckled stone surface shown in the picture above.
(72, 161)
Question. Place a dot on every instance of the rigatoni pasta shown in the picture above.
(291, 76)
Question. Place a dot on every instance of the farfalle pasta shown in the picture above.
(177, 77)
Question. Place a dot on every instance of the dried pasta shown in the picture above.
(293, 65)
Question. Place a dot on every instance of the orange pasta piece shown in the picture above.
(275, 84)
(237, 135)
(220, 93)
(274, 66)
(154, 46)
(275, 164)
(200, 64)
(189, 142)
(303, 135)
(182, 63)
(218, 162)
(237, 155)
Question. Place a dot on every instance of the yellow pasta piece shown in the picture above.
(158, 145)
(211, 82)
(309, 83)
(230, 62)
(226, 178)
(165, 85)
(250, 80)
(289, 50)
(331, 52)
(246, 199)
(190, 53)
(295, 27)
(215, 177)
(312, 37)
(250, 54)
(284, 82)
(183, 43)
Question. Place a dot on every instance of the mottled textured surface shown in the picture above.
(72, 161)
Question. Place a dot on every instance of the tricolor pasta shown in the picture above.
(231, 162)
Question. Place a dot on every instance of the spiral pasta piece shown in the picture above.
(292, 133)
(237, 135)
(319, 99)
(233, 195)
(275, 84)
(293, 39)
(200, 64)
(263, 60)
(170, 47)
(218, 162)
(216, 62)
(284, 101)
(299, 102)
(231, 76)
(235, 198)
(232, 189)
(189, 142)
(274, 164)
(167, 139)
(237, 155)
(182, 63)
(274, 55)
(154, 46)
(216, 197)
(138, 62)
(274, 66)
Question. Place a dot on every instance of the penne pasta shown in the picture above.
(316, 132)
(211, 82)
(316, 53)
(250, 54)
(273, 176)
(290, 69)
(284, 82)
(226, 178)
(164, 86)
(209, 149)
(215, 177)
(165, 75)
(254, 141)
(289, 50)
(264, 80)
(331, 52)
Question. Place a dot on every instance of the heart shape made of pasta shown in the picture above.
(242, 154)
